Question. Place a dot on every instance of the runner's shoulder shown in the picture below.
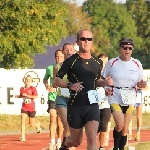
(72, 58)
(99, 61)
(136, 61)
(50, 66)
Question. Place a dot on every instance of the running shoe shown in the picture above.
(22, 138)
(137, 137)
(63, 148)
(38, 127)
(58, 145)
(129, 137)
(51, 146)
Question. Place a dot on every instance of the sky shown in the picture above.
(79, 2)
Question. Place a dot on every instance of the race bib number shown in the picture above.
(26, 100)
(104, 103)
(94, 97)
(128, 96)
(65, 92)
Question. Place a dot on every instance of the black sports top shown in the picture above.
(81, 70)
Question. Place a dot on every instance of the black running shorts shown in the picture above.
(30, 114)
(78, 116)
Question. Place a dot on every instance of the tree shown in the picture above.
(110, 22)
(76, 19)
(26, 27)
(140, 10)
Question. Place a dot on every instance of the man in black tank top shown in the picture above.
(84, 72)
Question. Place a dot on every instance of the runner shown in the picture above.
(28, 93)
(138, 106)
(54, 120)
(82, 108)
(105, 112)
(63, 93)
(127, 73)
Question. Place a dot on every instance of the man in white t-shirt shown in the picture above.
(127, 73)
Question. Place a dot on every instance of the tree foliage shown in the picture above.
(140, 11)
(76, 19)
(27, 26)
(110, 22)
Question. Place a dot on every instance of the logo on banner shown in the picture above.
(34, 76)
(148, 78)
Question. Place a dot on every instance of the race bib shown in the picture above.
(54, 89)
(94, 97)
(26, 100)
(104, 103)
(139, 97)
(65, 92)
(128, 96)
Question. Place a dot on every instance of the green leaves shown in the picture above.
(110, 22)
(140, 11)
(26, 27)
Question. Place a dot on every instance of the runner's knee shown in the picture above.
(76, 142)
(119, 127)
(103, 127)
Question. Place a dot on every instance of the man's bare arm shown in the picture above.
(100, 83)
(60, 82)
(45, 82)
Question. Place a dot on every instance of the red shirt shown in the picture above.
(29, 91)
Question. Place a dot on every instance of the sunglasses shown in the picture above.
(126, 47)
(84, 39)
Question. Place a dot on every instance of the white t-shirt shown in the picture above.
(124, 74)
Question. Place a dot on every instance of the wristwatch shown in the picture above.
(69, 85)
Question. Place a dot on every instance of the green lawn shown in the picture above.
(12, 122)
(141, 146)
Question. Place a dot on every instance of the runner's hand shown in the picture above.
(24, 94)
(109, 80)
(48, 88)
(142, 84)
(16, 96)
(108, 91)
(77, 87)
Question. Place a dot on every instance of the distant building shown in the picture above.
(43, 60)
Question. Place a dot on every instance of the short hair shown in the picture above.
(58, 50)
(78, 34)
(126, 41)
(29, 76)
(66, 44)
(102, 55)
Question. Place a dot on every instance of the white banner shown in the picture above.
(12, 80)
(10, 83)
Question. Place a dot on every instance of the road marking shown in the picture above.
(5, 144)
(131, 148)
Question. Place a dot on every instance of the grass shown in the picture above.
(141, 146)
(12, 122)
